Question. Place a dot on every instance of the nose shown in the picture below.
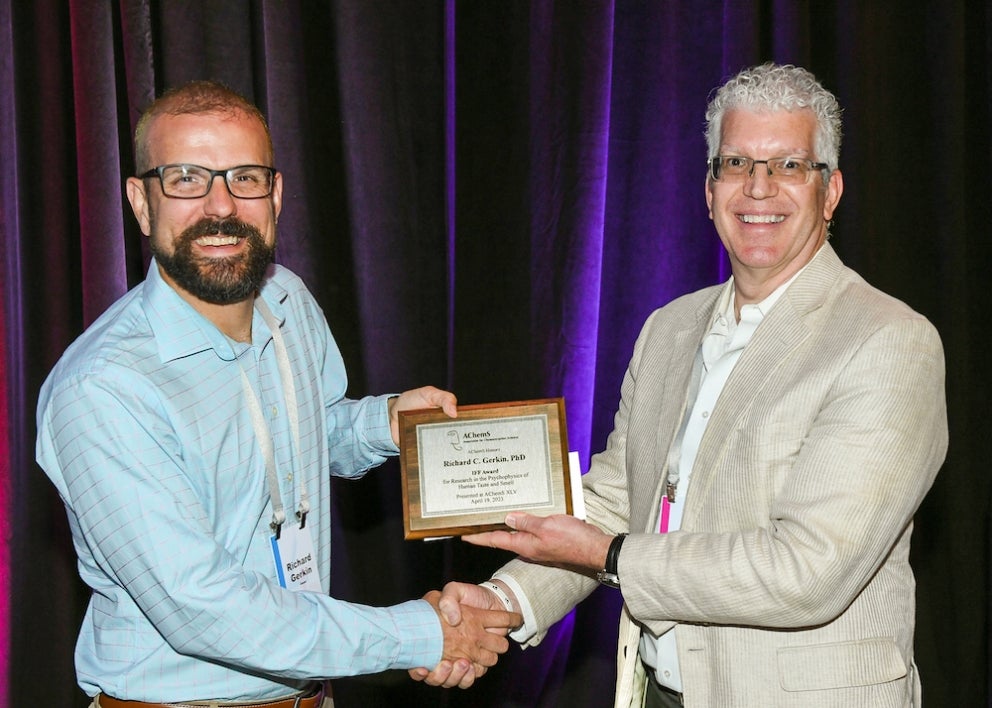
(219, 201)
(759, 184)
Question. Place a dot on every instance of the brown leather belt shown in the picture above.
(310, 699)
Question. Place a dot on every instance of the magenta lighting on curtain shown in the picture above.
(4, 499)
(8, 259)
(450, 174)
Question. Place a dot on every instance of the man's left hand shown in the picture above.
(424, 397)
(559, 539)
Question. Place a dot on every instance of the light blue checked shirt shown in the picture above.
(143, 428)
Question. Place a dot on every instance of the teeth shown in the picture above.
(762, 218)
(217, 240)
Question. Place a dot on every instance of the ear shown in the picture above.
(138, 197)
(277, 195)
(709, 196)
(835, 188)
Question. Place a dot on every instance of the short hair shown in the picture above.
(195, 97)
(778, 87)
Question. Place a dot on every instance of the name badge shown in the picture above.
(296, 562)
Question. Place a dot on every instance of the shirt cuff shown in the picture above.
(423, 641)
(529, 628)
(377, 432)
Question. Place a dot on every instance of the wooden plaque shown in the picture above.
(462, 475)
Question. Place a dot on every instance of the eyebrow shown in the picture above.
(794, 152)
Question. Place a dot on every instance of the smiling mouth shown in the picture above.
(218, 240)
(761, 218)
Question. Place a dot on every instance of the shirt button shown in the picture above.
(667, 674)
(706, 414)
(275, 412)
(289, 477)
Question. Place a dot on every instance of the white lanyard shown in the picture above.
(262, 433)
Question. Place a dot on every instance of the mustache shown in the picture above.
(226, 227)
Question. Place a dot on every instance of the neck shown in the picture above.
(234, 320)
(749, 294)
(752, 285)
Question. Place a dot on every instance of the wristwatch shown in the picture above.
(608, 575)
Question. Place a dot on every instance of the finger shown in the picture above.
(500, 621)
(486, 647)
(467, 680)
(493, 644)
(462, 675)
(440, 674)
(521, 521)
(449, 404)
(493, 539)
(478, 539)
(419, 674)
(486, 656)
(438, 398)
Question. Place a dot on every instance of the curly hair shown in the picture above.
(778, 87)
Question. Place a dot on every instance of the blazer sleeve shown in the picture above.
(552, 592)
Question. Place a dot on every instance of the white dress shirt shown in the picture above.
(720, 350)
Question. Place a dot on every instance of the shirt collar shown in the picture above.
(725, 305)
(180, 330)
(726, 333)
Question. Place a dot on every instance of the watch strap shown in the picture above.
(609, 575)
(613, 555)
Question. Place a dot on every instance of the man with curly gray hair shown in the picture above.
(774, 87)
(775, 435)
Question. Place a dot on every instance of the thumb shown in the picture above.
(516, 521)
(450, 610)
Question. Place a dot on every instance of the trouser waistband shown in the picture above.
(662, 695)
(312, 698)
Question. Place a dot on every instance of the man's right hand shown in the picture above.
(475, 625)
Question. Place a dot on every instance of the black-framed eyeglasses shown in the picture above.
(788, 170)
(193, 182)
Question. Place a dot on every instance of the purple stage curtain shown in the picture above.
(490, 197)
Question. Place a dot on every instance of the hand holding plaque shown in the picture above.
(463, 475)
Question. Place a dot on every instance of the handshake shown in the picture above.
(475, 623)
(475, 620)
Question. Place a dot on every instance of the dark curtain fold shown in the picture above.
(491, 197)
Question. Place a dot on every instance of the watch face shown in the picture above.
(611, 579)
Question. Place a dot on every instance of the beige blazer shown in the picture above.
(789, 582)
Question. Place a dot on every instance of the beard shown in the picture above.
(219, 281)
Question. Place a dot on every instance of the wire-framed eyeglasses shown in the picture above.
(182, 181)
(787, 170)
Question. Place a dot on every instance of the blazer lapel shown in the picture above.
(683, 349)
(782, 330)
